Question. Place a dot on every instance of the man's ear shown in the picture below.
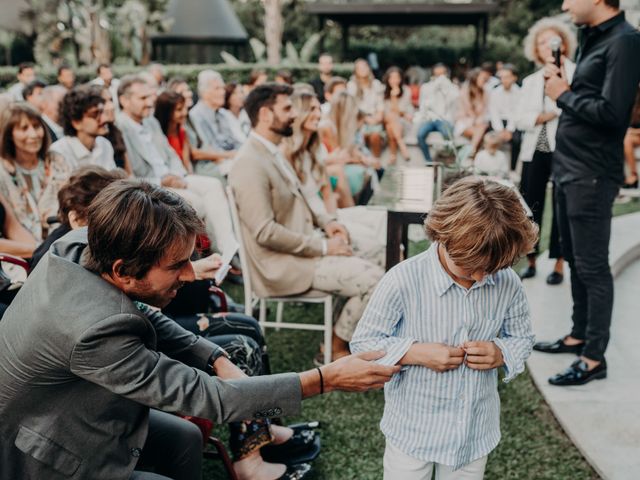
(117, 274)
(265, 115)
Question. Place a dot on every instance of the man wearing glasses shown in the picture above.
(84, 124)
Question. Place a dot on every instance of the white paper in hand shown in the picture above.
(227, 256)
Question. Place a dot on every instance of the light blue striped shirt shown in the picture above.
(453, 417)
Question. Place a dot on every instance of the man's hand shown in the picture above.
(226, 370)
(206, 268)
(545, 117)
(555, 80)
(173, 181)
(337, 246)
(337, 230)
(353, 373)
(483, 355)
(436, 356)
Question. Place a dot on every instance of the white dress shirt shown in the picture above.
(503, 106)
(77, 155)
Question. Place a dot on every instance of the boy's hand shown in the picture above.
(436, 356)
(483, 355)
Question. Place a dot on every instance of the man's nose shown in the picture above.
(187, 274)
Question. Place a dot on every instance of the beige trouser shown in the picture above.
(400, 466)
(206, 195)
(351, 277)
(368, 231)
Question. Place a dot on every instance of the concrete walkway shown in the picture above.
(602, 418)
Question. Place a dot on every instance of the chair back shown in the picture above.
(244, 264)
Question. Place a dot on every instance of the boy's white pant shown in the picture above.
(400, 466)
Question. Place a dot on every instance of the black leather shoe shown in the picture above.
(579, 374)
(558, 347)
(528, 272)
(555, 278)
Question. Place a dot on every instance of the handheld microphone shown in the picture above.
(556, 44)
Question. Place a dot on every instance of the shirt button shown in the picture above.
(135, 452)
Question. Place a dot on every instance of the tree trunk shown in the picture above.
(273, 25)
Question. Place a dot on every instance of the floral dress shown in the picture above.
(33, 193)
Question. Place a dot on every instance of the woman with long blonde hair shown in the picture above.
(308, 158)
(473, 116)
(317, 170)
(537, 117)
(368, 92)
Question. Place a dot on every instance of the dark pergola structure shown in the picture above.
(200, 30)
(389, 13)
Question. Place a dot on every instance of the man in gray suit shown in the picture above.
(88, 369)
(154, 160)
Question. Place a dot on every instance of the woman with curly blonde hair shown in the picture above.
(537, 117)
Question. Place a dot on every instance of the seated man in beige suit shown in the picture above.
(286, 254)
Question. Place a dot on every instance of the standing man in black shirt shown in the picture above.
(588, 170)
(325, 69)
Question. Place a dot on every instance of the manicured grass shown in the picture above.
(533, 445)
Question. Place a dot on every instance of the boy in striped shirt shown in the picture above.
(452, 316)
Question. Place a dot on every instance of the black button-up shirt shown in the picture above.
(597, 109)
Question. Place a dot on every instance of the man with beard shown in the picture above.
(91, 374)
(287, 255)
(84, 123)
(588, 171)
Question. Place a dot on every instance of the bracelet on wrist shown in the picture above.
(321, 380)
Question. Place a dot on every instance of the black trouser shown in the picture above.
(535, 177)
(173, 449)
(515, 143)
(584, 220)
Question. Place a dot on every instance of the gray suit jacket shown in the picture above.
(143, 167)
(80, 366)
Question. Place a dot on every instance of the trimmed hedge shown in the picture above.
(238, 73)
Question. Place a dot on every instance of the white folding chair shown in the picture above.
(251, 299)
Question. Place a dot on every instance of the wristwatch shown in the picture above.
(217, 353)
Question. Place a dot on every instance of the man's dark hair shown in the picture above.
(31, 86)
(82, 187)
(331, 85)
(101, 66)
(510, 67)
(138, 223)
(612, 3)
(24, 65)
(264, 96)
(62, 68)
(488, 67)
(76, 103)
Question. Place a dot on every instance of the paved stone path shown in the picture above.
(602, 418)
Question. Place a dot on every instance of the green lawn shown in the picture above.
(533, 445)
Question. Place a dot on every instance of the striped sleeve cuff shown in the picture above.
(512, 368)
(395, 351)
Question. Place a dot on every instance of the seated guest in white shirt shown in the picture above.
(84, 123)
(26, 74)
(152, 159)
(502, 111)
(49, 107)
(213, 124)
(490, 160)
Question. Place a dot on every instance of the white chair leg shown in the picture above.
(328, 329)
(279, 311)
(263, 315)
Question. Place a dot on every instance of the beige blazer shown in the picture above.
(276, 221)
